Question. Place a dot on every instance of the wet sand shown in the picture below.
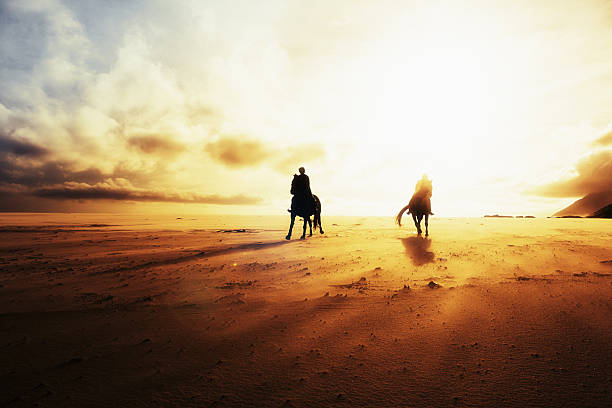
(105, 311)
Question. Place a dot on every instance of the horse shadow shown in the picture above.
(417, 249)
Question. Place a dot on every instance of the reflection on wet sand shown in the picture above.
(417, 249)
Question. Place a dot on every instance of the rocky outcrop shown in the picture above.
(605, 212)
(587, 205)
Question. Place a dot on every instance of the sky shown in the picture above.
(210, 107)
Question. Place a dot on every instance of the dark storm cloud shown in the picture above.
(594, 175)
(50, 172)
(20, 147)
(87, 192)
(53, 181)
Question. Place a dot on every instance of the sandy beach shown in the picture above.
(127, 127)
(99, 310)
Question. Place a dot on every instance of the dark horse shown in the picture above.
(305, 210)
(418, 207)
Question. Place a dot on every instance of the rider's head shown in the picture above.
(424, 177)
(302, 170)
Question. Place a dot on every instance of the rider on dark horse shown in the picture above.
(304, 204)
(302, 200)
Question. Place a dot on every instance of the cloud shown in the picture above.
(592, 174)
(234, 151)
(59, 181)
(112, 190)
(156, 144)
(92, 93)
(77, 110)
(28, 175)
(20, 147)
(604, 140)
(55, 180)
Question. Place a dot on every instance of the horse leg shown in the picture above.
(319, 221)
(420, 218)
(417, 224)
(304, 230)
(310, 226)
(426, 225)
(288, 237)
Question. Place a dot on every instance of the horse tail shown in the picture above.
(317, 212)
(398, 218)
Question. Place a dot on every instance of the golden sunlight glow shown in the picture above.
(492, 100)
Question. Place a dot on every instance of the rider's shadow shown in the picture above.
(417, 250)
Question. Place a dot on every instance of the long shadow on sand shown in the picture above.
(417, 250)
(207, 253)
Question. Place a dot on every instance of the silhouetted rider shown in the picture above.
(300, 188)
(301, 183)
(423, 191)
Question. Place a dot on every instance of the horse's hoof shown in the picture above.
(303, 237)
(288, 237)
(322, 232)
(310, 235)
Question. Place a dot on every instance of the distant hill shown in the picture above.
(587, 205)
(605, 212)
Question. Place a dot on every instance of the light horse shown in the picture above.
(418, 208)
(306, 211)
